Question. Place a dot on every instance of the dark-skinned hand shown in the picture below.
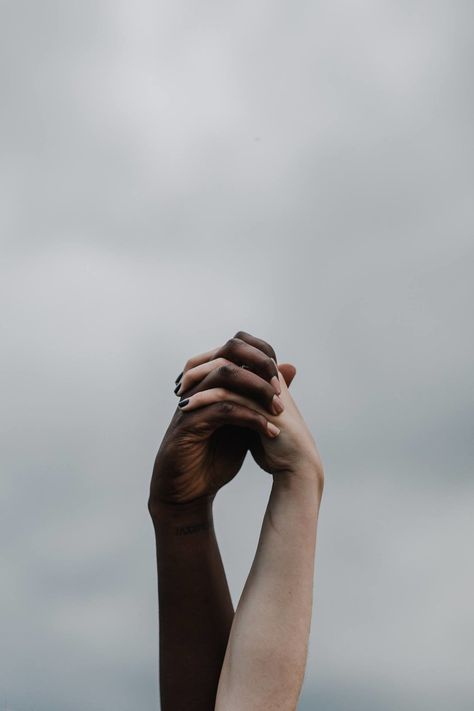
(203, 449)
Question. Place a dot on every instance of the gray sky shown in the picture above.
(171, 173)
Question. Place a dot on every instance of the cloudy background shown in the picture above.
(170, 173)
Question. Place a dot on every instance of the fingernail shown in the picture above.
(276, 384)
(277, 405)
(179, 377)
(177, 388)
(183, 403)
(273, 429)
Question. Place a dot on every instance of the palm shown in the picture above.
(192, 463)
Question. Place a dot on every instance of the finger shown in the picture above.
(257, 343)
(192, 363)
(211, 416)
(200, 358)
(243, 382)
(242, 353)
(288, 371)
(207, 397)
(199, 372)
(194, 375)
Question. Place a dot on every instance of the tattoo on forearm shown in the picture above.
(192, 528)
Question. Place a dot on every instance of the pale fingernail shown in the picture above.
(276, 384)
(273, 429)
(277, 405)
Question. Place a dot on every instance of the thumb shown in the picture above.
(288, 371)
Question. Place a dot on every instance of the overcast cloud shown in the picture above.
(171, 173)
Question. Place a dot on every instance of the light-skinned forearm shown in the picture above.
(266, 654)
(195, 607)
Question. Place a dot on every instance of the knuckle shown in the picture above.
(263, 345)
(225, 407)
(227, 370)
(232, 343)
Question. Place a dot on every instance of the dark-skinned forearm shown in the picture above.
(195, 607)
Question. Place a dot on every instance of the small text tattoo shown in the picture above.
(192, 528)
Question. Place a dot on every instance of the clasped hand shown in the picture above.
(226, 410)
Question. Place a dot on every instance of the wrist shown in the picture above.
(188, 513)
(308, 476)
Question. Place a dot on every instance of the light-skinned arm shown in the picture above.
(267, 649)
(266, 654)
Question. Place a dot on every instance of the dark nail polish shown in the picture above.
(182, 403)
(177, 388)
(179, 377)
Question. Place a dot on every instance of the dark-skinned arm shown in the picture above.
(195, 606)
(199, 454)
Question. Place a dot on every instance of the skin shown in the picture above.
(267, 649)
(202, 450)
